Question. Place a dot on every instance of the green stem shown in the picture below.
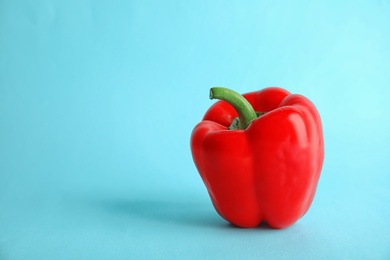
(245, 111)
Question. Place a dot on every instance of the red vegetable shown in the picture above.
(262, 168)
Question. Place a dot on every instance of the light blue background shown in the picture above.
(98, 100)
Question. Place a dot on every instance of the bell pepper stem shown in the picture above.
(244, 109)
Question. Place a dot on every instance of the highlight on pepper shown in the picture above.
(259, 155)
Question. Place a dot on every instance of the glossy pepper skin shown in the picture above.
(268, 171)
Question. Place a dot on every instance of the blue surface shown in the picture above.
(98, 100)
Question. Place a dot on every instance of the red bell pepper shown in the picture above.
(264, 166)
